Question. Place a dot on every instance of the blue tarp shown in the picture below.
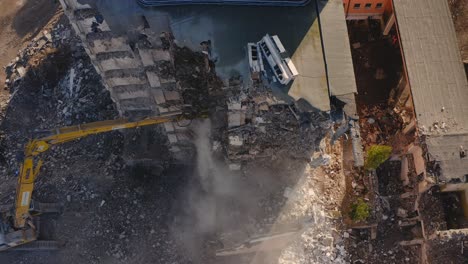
(224, 2)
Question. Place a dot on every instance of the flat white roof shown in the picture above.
(292, 67)
(279, 44)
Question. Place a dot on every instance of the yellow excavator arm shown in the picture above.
(30, 168)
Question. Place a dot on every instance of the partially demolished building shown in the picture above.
(139, 73)
(430, 99)
(435, 87)
(324, 71)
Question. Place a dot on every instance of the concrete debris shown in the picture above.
(402, 213)
(30, 55)
(235, 167)
(379, 124)
(319, 242)
(269, 126)
(235, 141)
(319, 159)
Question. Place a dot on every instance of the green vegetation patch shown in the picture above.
(360, 210)
(376, 155)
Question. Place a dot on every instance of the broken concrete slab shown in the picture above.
(119, 63)
(236, 141)
(158, 95)
(125, 81)
(153, 79)
(172, 96)
(146, 56)
(161, 55)
(109, 45)
(130, 91)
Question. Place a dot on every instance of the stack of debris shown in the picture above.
(379, 125)
(43, 44)
(261, 125)
(318, 243)
(54, 85)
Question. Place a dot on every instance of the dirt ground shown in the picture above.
(459, 9)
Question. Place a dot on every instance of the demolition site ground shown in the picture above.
(259, 170)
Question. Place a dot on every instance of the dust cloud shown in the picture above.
(212, 201)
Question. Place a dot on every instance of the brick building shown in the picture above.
(363, 9)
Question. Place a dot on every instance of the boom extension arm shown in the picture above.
(65, 134)
(29, 171)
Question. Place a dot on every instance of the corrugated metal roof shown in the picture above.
(435, 70)
(437, 79)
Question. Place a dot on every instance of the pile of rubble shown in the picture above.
(381, 125)
(101, 194)
(449, 246)
(306, 226)
(318, 243)
(52, 84)
(315, 201)
(44, 43)
(260, 125)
